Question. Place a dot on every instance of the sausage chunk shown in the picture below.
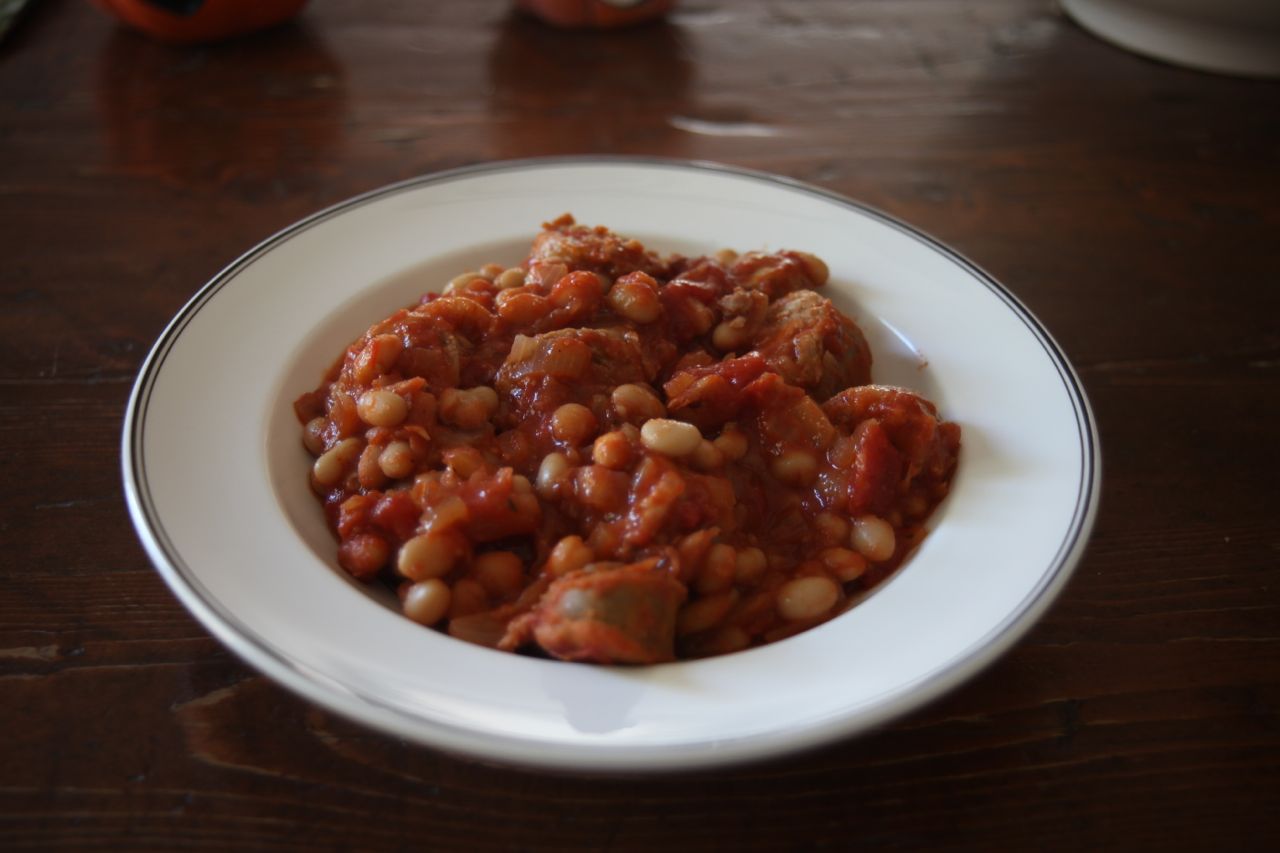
(618, 615)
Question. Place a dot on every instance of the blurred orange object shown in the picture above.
(188, 21)
(595, 13)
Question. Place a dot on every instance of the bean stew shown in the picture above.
(607, 455)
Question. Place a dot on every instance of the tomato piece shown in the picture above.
(397, 513)
(877, 470)
(495, 510)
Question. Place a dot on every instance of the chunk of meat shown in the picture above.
(711, 395)
(467, 317)
(778, 273)
(745, 388)
(928, 444)
(621, 615)
(786, 417)
(430, 342)
(655, 490)
(813, 345)
(742, 313)
(579, 247)
(597, 358)
(545, 371)
(894, 445)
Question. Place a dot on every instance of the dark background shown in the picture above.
(1130, 204)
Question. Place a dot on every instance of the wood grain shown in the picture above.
(1130, 204)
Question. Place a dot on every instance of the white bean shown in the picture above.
(332, 465)
(704, 613)
(845, 564)
(428, 555)
(468, 408)
(573, 423)
(313, 436)
(396, 460)
(569, 555)
(732, 442)
(636, 403)
(831, 527)
(730, 335)
(469, 597)
(636, 301)
(463, 461)
(383, 408)
(460, 282)
(707, 457)
(815, 267)
(807, 598)
(501, 573)
(368, 471)
(552, 471)
(509, 278)
(671, 438)
(612, 450)
(718, 569)
(427, 602)
(794, 467)
(873, 537)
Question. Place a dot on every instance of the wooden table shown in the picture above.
(1131, 205)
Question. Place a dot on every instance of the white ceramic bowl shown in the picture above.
(1224, 36)
(216, 478)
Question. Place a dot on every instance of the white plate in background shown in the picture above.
(1223, 36)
